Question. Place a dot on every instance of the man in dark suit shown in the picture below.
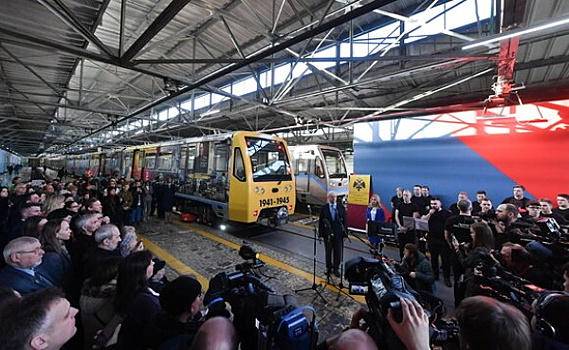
(332, 226)
(22, 256)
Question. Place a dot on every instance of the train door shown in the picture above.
(239, 186)
(304, 168)
(188, 152)
(138, 158)
(127, 164)
(149, 164)
(221, 165)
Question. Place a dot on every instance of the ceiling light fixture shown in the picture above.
(517, 32)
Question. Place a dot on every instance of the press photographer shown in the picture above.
(263, 319)
(388, 296)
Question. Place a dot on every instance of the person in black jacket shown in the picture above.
(332, 226)
(473, 256)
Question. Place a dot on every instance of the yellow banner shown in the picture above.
(360, 187)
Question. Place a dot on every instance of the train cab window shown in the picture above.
(335, 164)
(268, 160)
(238, 165)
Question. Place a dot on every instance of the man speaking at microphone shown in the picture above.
(332, 227)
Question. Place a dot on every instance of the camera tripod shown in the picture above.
(315, 287)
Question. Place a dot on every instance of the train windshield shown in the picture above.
(268, 160)
(335, 164)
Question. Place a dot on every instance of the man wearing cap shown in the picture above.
(179, 320)
(181, 324)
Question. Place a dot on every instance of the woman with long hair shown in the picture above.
(53, 202)
(33, 226)
(470, 257)
(416, 269)
(97, 301)
(136, 301)
(56, 262)
(374, 215)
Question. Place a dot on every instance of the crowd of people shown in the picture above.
(521, 240)
(76, 274)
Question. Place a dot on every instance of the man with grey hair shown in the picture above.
(107, 238)
(22, 256)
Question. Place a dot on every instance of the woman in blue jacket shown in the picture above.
(374, 215)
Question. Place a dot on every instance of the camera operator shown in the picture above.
(472, 256)
(517, 260)
(332, 226)
(416, 269)
(550, 321)
(485, 323)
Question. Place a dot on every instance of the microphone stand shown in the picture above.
(341, 284)
(314, 286)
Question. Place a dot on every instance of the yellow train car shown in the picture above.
(241, 176)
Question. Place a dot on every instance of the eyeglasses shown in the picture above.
(35, 251)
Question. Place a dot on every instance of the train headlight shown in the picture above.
(256, 189)
(262, 190)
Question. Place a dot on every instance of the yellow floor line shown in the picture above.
(183, 269)
(270, 261)
(174, 263)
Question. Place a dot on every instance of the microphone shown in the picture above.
(309, 210)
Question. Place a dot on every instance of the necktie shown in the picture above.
(333, 211)
(42, 280)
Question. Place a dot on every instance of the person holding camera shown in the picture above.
(484, 323)
(332, 226)
(471, 256)
(416, 269)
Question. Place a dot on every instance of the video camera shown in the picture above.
(383, 287)
(497, 282)
(263, 320)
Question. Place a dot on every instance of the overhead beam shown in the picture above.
(51, 104)
(42, 43)
(314, 59)
(268, 52)
(155, 27)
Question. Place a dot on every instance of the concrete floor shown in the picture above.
(288, 256)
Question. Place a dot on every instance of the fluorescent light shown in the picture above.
(517, 32)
